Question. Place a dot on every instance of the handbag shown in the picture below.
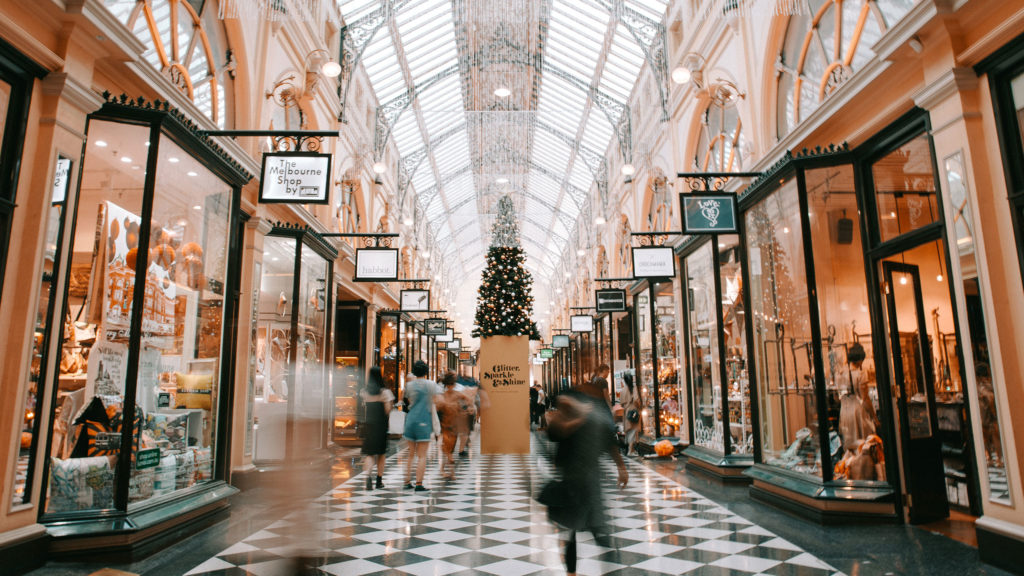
(554, 494)
(633, 415)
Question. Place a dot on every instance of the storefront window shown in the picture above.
(42, 336)
(293, 410)
(978, 358)
(645, 360)
(705, 376)
(672, 398)
(388, 357)
(741, 427)
(170, 369)
(905, 189)
(846, 351)
(783, 349)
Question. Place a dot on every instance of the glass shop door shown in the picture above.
(913, 377)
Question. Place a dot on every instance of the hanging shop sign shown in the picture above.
(560, 341)
(709, 213)
(465, 357)
(581, 323)
(455, 344)
(435, 327)
(610, 300)
(546, 353)
(295, 178)
(415, 300)
(654, 262)
(376, 265)
(61, 178)
(448, 336)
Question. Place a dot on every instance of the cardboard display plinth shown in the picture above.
(505, 379)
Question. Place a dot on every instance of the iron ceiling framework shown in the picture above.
(570, 65)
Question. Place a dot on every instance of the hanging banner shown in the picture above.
(435, 327)
(376, 265)
(448, 336)
(709, 213)
(415, 300)
(546, 353)
(295, 178)
(581, 323)
(654, 262)
(505, 380)
(610, 300)
(560, 341)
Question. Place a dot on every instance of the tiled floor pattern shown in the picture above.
(486, 522)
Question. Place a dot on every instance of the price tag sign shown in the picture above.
(147, 459)
(295, 178)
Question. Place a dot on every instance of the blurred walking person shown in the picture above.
(454, 408)
(419, 423)
(630, 401)
(377, 401)
(583, 427)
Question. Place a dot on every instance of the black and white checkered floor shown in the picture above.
(487, 522)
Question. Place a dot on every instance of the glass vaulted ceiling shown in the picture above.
(464, 147)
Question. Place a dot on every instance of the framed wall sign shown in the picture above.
(448, 336)
(376, 265)
(581, 323)
(455, 344)
(415, 300)
(654, 262)
(560, 341)
(547, 353)
(435, 327)
(295, 178)
(465, 356)
(610, 300)
(709, 213)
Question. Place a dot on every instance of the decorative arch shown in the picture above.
(821, 50)
(721, 145)
(658, 202)
(185, 47)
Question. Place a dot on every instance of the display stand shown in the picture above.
(505, 380)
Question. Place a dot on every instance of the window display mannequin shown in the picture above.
(858, 422)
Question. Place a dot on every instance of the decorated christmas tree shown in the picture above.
(505, 301)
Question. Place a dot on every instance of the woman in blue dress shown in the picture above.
(419, 422)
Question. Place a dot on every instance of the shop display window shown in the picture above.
(783, 350)
(905, 194)
(139, 385)
(645, 360)
(292, 407)
(978, 358)
(672, 397)
(851, 390)
(42, 335)
(716, 336)
(705, 376)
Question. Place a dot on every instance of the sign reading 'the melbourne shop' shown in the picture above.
(708, 213)
(376, 264)
(295, 177)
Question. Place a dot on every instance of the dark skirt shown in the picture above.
(375, 430)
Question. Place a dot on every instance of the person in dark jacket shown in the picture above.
(378, 401)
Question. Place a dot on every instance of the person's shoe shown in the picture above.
(422, 488)
(380, 482)
(463, 453)
(408, 486)
(369, 483)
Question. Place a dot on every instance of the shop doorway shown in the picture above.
(928, 402)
